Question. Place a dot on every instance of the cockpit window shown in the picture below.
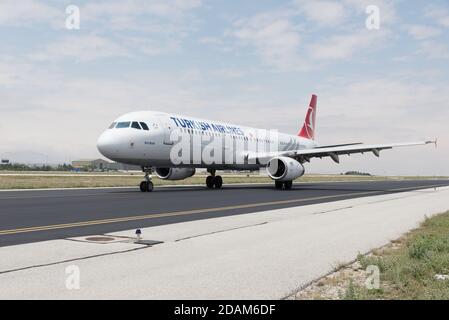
(135, 125)
(144, 126)
(112, 125)
(122, 125)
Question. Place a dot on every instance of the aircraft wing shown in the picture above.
(304, 155)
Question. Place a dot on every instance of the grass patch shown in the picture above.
(408, 270)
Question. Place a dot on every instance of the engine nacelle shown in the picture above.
(284, 169)
(174, 173)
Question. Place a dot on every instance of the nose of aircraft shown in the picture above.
(106, 144)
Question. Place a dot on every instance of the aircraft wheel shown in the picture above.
(218, 182)
(143, 186)
(146, 186)
(288, 185)
(278, 184)
(210, 182)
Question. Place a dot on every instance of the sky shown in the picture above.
(253, 63)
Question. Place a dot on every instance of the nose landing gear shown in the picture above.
(213, 180)
(147, 185)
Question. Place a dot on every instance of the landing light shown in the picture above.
(138, 235)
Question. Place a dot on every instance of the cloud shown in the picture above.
(90, 47)
(285, 44)
(156, 16)
(81, 48)
(275, 38)
(116, 8)
(143, 27)
(434, 50)
(29, 13)
(149, 46)
(387, 9)
(344, 46)
(390, 99)
(438, 14)
(109, 28)
(228, 73)
(421, 32)
(211, 40)
(16, 72)
(115, 14)
(336, 13)
(8, 75)
(322, 12)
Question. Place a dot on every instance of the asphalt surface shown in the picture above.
(30, 216)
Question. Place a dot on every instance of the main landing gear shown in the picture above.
(213, 180)
(147, 185)
(287, 185)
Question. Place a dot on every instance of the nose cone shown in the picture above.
(106, 144)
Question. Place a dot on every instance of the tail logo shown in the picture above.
(311, 124)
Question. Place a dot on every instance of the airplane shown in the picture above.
(147, 139)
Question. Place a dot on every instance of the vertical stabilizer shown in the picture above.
(308, 129)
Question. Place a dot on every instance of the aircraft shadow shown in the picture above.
(268, 187)
(321, 186)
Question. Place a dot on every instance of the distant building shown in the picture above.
(5, 161)
(92, 164)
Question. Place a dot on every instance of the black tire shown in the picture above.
(288, 185)
(278, 184)
(150, 186)
(210, 182)
(218, 182)
(143, 186)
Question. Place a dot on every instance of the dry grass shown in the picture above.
(33, 182)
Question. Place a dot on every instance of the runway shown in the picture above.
(30, 216)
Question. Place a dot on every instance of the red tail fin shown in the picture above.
(308, 129)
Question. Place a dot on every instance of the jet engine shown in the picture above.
(174, 173)
(284, 169)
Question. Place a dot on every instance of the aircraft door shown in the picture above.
(167, 131)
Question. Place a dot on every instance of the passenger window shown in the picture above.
(144, 126)
(112, 125)
(135, 125)
(122, 125)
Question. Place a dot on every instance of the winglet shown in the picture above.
(308, 128)
(432, 142)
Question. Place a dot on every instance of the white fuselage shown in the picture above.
(129, 143)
